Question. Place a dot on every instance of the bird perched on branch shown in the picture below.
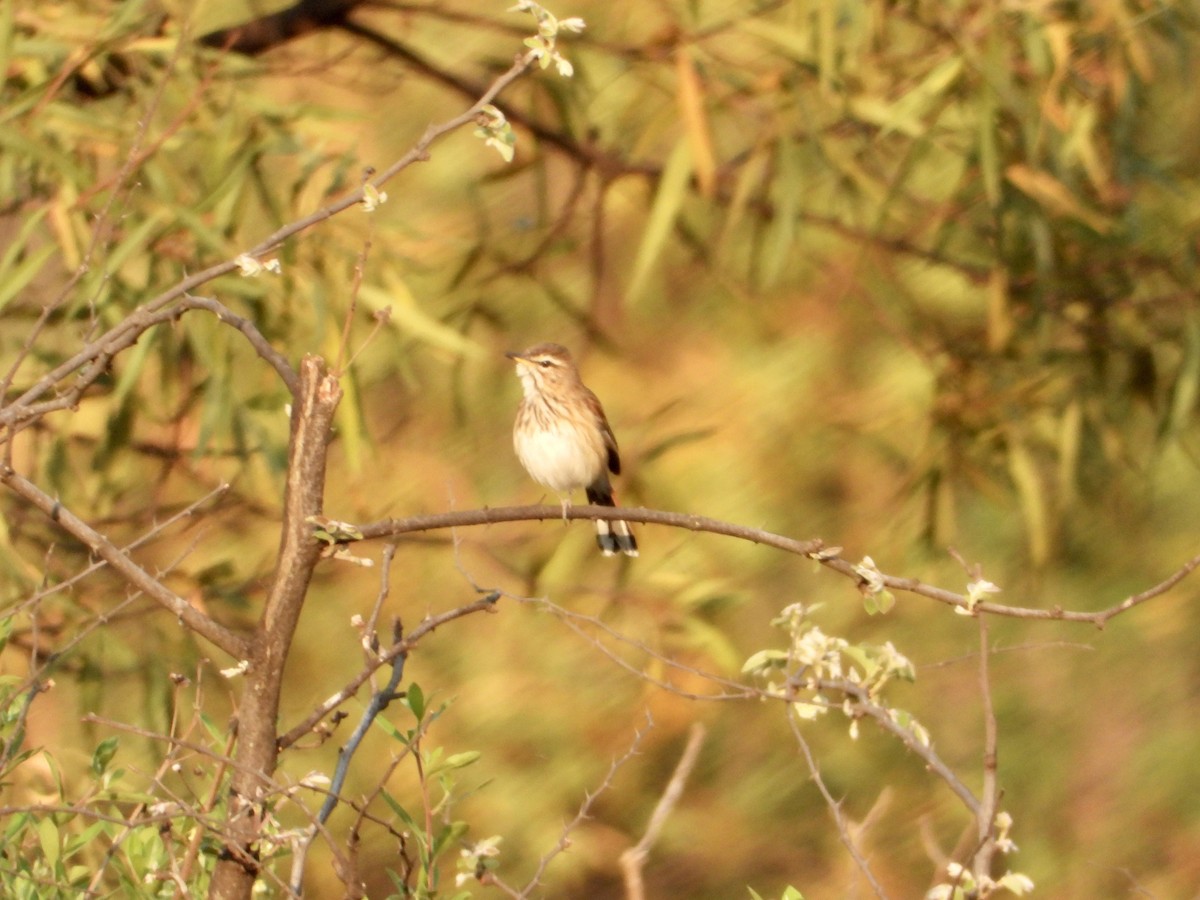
(563, 438)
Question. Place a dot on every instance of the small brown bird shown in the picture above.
(563, 439)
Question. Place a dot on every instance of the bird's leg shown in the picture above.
(565, 499)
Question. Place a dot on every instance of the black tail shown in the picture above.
(615, 536)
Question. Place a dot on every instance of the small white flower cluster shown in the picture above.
(962, 882)
(976, 591)
(871, 584)
(373, 197)
(477, 860)
(252, 268)
(804, 672)
(544, 43)
(492, 126)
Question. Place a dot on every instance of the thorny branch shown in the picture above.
(634, 859)
(815, 549)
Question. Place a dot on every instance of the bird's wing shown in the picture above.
(610, 440)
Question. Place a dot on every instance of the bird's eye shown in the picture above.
(545, 364)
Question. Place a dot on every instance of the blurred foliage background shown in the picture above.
(900, 275)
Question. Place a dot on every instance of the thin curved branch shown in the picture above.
(990, 795)
(835, 809)
(814, 548)
(633, 860)
(485, 604)
(249, 330)
(229, 641)
(95, 355)
(468, 517)
(863, 704)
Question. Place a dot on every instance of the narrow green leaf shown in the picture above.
(766, 659)
(414, 699)
(455, 761)
(672, 190)
(1025, 478)
(399, 810)
(407, 315)
(796, 43)
(915, 105)
(451, 833)
(84, 839)
(779, 244)
(104, 753)
(16, 279)
(135, 242)
(461, 760)
(1187, 383)
(47, 830)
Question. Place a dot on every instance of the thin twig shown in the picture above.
(427, 626)
(585, 809)
(249, 330)
(863, 704)
(197, 621)
(733, 690)
(380, 700)
(986, 817)
(634, 859)
(835, 808)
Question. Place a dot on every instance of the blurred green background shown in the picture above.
(900, 276)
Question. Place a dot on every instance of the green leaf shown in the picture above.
(672, 190)
(779, 242)
(451, 833)
(82, 840)
(1187, 383)
(135, 242)
(461, 760)
(47, 830)
(414, 699)
(454, 761)
(407, 314)
(105, 751)
(400, 811)
(19, 276)
(765, 659)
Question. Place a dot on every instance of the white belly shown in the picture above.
(559, 458)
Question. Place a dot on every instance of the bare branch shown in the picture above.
(585, 809)
(835, 809)
(814, 549)
(863, 704)
(229, 641)
(633, 859)
(261, 345)
(986, 817)
(93, 358)
(428, 625)
(257, 750)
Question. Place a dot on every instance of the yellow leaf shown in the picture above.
(695, 121)
(999, 313)
(408, 316)
(1023, 471)
(1052, 194)
(1069, 439)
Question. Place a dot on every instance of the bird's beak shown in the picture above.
(516, 357)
